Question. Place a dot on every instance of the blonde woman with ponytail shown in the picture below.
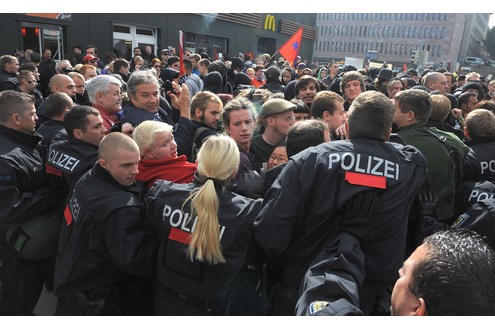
(205, 260)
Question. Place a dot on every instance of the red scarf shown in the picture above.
(177, 170)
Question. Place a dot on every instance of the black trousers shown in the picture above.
(21, 282)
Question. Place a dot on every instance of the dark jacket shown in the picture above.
(8, 81)
(184, 137)
(194, 279)
(23, 188)
(134, 115)
(103, 239)
(484, 153)
(46, 70)
(47, 130)
(70, 158)
(321, 184)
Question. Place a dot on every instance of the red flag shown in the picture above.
(215, 54)
(405, 67)
(182, 69)
(290, 49)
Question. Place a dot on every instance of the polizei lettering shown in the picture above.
(180, 220)
(479, 195)
(62, 160)
(488, 166)
(364, 164)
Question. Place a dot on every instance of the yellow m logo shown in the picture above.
(269, 23)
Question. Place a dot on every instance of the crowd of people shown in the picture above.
(245, 186)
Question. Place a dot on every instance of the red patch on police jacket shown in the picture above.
(366, 180)
(53, 171)
(67, 215)
(180, 236)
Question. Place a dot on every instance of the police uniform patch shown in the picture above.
(317, 306)
(460, 220)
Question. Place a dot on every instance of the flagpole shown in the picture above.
(276, 52)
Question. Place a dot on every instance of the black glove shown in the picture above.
(428, 204)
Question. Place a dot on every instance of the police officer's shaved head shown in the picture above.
(114, 142)
(371, 116)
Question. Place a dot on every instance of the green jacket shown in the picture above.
(444, 163)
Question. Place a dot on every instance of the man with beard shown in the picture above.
(206, 109)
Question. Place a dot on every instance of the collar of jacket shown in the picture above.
(480, 140)
(29, 140)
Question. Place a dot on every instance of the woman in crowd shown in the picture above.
(205, 262)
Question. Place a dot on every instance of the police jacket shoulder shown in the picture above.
(484, 159)
(103, 236)
(23, 187)
(71, 156)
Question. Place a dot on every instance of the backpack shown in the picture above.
(196, 143)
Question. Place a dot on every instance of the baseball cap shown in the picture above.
(276, 106)
(89, 58)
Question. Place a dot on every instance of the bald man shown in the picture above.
(103, 244)
(436, 81)
(57, 83)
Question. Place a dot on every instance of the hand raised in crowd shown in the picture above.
(127, 128)
(181, 99)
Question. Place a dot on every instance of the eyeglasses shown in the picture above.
(157, 66)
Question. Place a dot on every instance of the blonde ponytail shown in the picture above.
(218, 160)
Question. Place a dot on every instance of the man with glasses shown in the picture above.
(26, 82)
(278, 117)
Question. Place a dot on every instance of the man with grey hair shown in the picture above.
(375, 183)
(104, 92)
(9, 67)
(144, 94)
(63, 66)
(436, 81)
(146, 104)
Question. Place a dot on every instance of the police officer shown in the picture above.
(480, 131)
(71, 155)
(205, 262)
(25, 199)
(103, 252)
(363, 186)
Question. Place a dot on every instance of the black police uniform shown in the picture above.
(304, 208)
(24, 195)
(47, 130)
(103, 248)
(185, 287)
(484, 153)
(70, 158)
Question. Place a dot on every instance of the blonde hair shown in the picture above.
(144, 133)
(440, 107)
(218, 159)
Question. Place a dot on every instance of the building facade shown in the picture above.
(217, 34)
(446, 37)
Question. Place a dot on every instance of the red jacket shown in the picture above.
(177, 170)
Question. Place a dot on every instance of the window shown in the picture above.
(126, 37)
